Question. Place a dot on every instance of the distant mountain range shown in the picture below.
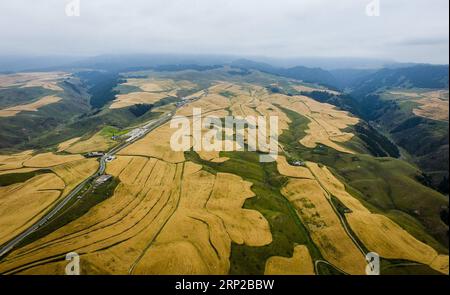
(11, 63)
(420, 76)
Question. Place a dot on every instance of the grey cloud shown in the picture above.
(425, 41)
(278, 28)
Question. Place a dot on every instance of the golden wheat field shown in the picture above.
(129, 99)
(430, 104)
(311, 196)
(96, 142)
(169, 215)
(162, 215)
(22, 204)
(326, 122)
(151, 84)
(379, 233)
(326, 229)
(30, 107)
(18, 170)
(151, 90)
(50, 159)
(14, 161)
(433, 105)
(292, 171)
(66, 144)
(154, 85)
(74, 172)
(48, 80)
(208, 103)
(307, 88)
(198, 237)
(299, 264)
(162, 207)
(156, 144)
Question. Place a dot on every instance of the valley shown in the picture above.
(334, 193)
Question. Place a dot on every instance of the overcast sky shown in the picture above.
(405, 30)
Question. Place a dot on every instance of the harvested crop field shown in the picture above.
(207, 104)
(167, 87)
(377, 232)
(22, 204)
(313, 88)
(14, 161)
(430, 104)
(50, 160)
(326, 122)
(96, 142)
(292, 171)
(326, 229)
(212, 156)
(18, 170)
(166, 214)
(30, 107)
(156, 144)
(198, 237)
(48, 80)
(299, 264)
(66, 144)
(433, 105)
(152, 85)
(74, 172)
(162, 215)
(162, 207)
(129, 99)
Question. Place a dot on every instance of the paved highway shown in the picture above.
(149, 126)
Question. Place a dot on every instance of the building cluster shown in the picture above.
(94, 154)
(298, 163)
(135, 133)
(102, 179)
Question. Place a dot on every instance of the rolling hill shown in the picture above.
(338, 189)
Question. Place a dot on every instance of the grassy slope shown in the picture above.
(23, 130)
(14, 96)
(55, 123)
(425, 139)
(12, 178)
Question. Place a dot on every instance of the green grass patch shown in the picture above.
(109, 131)
(125, 89)
(404, 267)
(12, 178)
